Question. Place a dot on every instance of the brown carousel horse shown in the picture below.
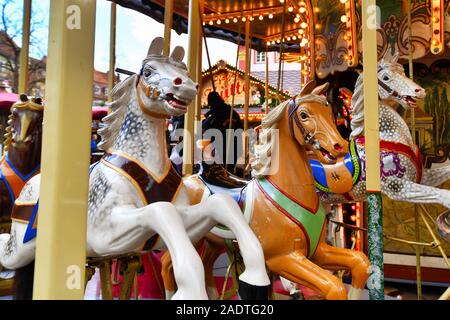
(18, 165)
(281, 203)
(22, 157)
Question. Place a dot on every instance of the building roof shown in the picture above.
(290, 81)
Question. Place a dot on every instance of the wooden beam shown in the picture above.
(61, 240)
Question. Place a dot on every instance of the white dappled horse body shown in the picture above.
(134, 193)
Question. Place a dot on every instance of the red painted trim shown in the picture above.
(409, 273)
(288, 216)
(313, 211)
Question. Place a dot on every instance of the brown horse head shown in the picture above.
(24, 131)
(312, 124)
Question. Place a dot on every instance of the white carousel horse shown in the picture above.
(134, 192)
(402, 174)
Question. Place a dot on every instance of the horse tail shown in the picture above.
(23, 282)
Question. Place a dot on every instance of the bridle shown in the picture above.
(293, 118)
(148, 91)
(385, 86)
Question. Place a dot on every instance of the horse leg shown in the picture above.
(297, 268)
(14, 253)
(130, 228)
(405, 190)
(435, 177)
(210, 254)
(222, 209)
(333, 258)
(170, 286)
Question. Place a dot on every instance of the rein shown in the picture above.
(385, 86)
(147, 89)
(293, 117)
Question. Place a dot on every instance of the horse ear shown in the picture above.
(156, 47)
(321, 89)
(308, 88)
(178, 54)
(395, 56)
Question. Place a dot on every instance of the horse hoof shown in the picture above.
(251, 292)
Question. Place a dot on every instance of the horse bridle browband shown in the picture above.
(385, 86)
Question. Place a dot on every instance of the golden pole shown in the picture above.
(371, 125)
(413, 132)
(193, 35)
(247, 86)
(267, 79)
(61, 240)
(168, 21)
(199, 80)
(112, 50)
(25, 50)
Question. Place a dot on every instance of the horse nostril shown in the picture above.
(177, 81)
(337, 147)
(418, 90)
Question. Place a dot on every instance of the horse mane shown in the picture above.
(266, 144)
(357, 123)
(118, 107)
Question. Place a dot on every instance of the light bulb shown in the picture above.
(270, 15)
(261, 17)
(344, 18)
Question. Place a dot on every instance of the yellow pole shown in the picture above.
(267, 80)
(199, 80)
(373, 185)
(168, 21)
(112, 49)
(61, 240)
(25, 51)
(247, 85)
(193, 35)
(413, 132)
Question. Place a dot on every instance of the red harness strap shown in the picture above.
(414, 155)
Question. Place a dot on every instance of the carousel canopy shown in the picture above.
(224, 18)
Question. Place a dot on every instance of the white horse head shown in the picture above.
(393, 84)
(165, 86)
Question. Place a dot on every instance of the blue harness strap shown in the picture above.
(31, 231)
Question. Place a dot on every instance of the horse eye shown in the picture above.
(386, 78)
(147, 73)
(304, 115)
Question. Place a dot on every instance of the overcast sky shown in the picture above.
(135, 31)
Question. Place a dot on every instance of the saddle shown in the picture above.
(218, 180)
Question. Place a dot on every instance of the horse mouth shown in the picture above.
(411, 101)
(327, 155)
(176, 102)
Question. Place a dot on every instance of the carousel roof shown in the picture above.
(266, 25)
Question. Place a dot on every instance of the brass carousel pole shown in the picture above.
(371, 125)
(189, 119)
(168, 21)
(247, 86)
(25, 51)
(112, 50)
(267, 80)
(413, 132)
(61, 240)
(199, 79)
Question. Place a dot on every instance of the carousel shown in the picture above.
(345, 186)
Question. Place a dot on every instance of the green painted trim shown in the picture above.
(356, 170)
(312, 223)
